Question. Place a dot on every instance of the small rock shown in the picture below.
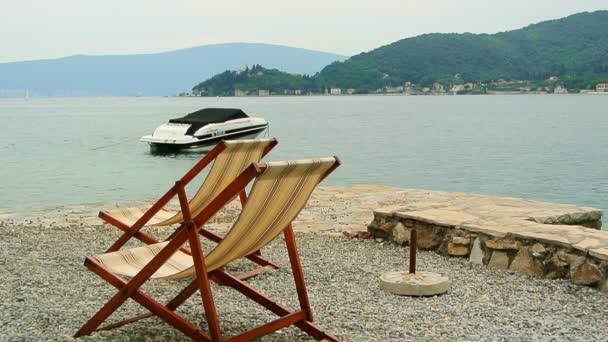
(524, 263)
(457, 249)
(401, 234)
(363, 235)
(476, 256)
(556, 267)
(428, 239)
(459, 240)
(499, 260)
(537, 248)
(604, 286)
(503, 244)
(379, 240)
(348, 234)
(571, 259)
(585, 274)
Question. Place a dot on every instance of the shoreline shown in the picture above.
(367, 197)
(497, 93)
(490, 93)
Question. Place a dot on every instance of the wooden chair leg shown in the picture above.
(296, 268)
(203, 282)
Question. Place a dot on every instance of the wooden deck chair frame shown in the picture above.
(131, 288)
(135, 230)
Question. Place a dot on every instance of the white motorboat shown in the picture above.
(203, 129)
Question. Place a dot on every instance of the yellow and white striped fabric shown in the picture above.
(277, 197)
(129, 262)
(130, 215)
(237, 155)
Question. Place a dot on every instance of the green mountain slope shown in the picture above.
(574, 48)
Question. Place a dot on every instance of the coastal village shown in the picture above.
(552, 85)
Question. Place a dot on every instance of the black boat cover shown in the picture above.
(206, 116)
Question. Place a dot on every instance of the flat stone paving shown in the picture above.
(502, 217)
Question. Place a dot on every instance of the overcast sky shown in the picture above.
(55, 28)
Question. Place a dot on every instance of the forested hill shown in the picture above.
(249, 81)
(573, 46)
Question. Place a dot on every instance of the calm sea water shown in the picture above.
(86, 150)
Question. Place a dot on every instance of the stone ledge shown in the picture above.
(529, 237)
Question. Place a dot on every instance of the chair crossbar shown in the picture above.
(269, 327)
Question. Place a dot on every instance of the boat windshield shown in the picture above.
(207, 116)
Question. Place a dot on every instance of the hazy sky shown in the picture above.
(54, 28)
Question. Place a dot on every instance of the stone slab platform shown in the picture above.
(560, 224)
(530, 237)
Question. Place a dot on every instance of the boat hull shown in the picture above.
(205, 144)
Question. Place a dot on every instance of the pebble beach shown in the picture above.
(47, 293)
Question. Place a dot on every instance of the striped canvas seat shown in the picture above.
(277, 196)
(237, 155)
(129, 262)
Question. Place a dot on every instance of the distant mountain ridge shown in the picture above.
(165, 73)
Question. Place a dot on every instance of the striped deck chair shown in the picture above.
(229, 158)
(279, 193)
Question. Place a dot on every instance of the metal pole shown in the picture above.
(413, 251)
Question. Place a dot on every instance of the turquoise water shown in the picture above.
(86, 150)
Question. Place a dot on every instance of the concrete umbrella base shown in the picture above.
(414, 284)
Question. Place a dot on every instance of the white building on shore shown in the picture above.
(560, 90)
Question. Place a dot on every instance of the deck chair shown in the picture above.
(229, 158)
(279, 193)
